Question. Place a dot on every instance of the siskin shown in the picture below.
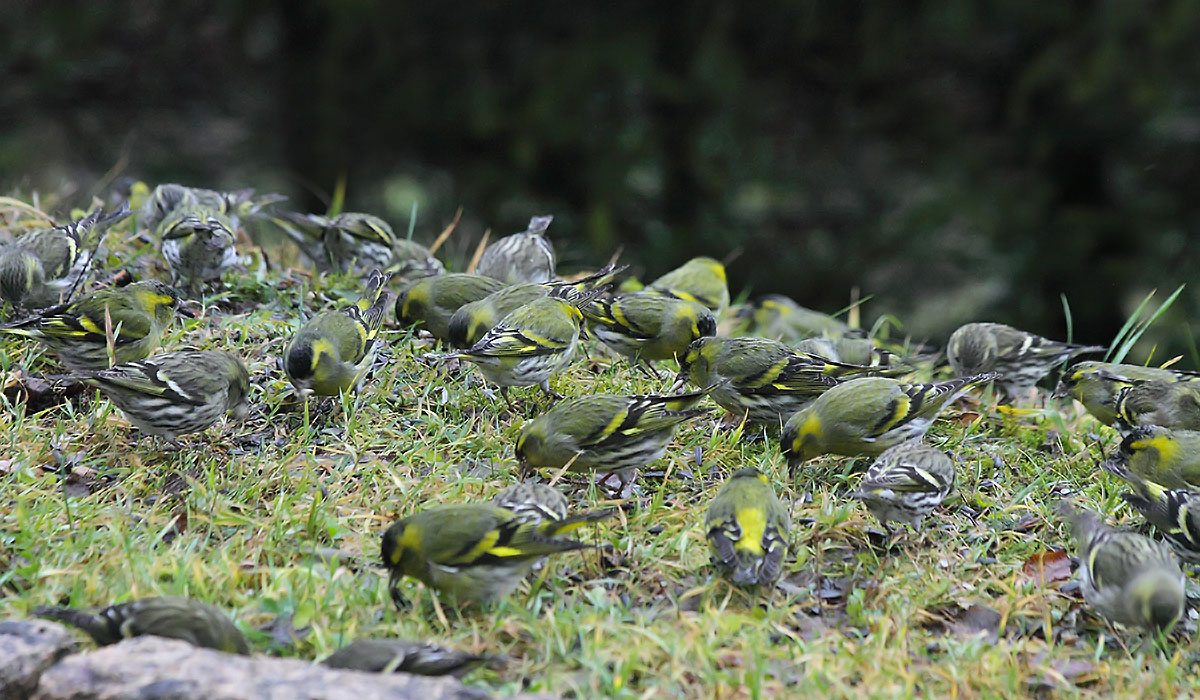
(199, 624)
(473, 320)
(529, 345)
(399, 656)
(747, 529)
(136, 316)
(1174, 512)
(175, 393)
(868, 415)
(649, 327)
(605, 433)
(164, 200)
(1170, 458)
(533, 502)
(1097, 384)
(850, 350)
(431, 302)
(1126, 577)
(198, 244)
(762, 379)
(42, 268)
(905, 483)
(476, 553)
(411, 260)
(780, 318)
(1174, 405)
(1021, 359)
(522, 257)
(701, 280)
(332, 351)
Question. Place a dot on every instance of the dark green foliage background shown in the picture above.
(957, 160)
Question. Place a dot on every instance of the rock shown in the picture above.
(150, 668)
(27, 648)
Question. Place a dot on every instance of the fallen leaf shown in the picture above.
(1047, 567)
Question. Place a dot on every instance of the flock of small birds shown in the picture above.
(805, 379)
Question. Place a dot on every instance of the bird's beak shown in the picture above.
(680, 382)
(241, 411)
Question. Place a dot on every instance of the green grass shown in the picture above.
(278, 519)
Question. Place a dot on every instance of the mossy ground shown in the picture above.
(277, 520)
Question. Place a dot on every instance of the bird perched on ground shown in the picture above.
(529, 345)
(701, 280)
(43, 267)
(649, 327)
(866, 416)
(476, 552)
(1021, 359)
(605, 433)
(1170, 458)
(1173, 512)
(348, 240)
(136, 314)
(780, 318)
(852, 351)
(905, 483)
(747, 529)
(431, 302)
(333, 350)
(762, 379)
(156, 205)
(522, 257)
(1126, 577)
(198, 244)
(533, 501)
(411, 260)
(1097, 384)
(199, 624)
(1174, 405)
(400, 656)
(175, 393)
(474, 319)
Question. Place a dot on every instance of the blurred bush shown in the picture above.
(955, 161)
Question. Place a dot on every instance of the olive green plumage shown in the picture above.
(905, 483)
(522, 257)
(852, 351)
(780, 318)
(866, 416)
(1020, 358)
(605, 433)
(1170, 458)
(747, 529)
(1097, 384)
(175, 393)
(137, 315)
(1173, 512)
(649, 327)
(701, 280)
(199, 624)
(473, 320)
(529, 345)
(43, 267)
(333, 350)
(1174, 405)
(401, 656)
(476, 553)
(1128, 578)
(761, 379)
(430, 302)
